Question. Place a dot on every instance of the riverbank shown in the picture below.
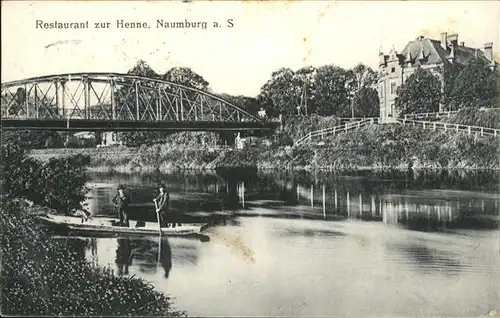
(46, 277)
(376, 147)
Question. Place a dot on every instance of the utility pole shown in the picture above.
(303, 98)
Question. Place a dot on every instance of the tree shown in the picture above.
(474, 86)
(451, 71)
(178, 75)
(126, 97)
(250, 104)
(496, 103)
(185, 76)
(305, 79)
(366, 103)
(419, 94)
(142, 68)
(279, 95)
(363, 102)
(331, 91)
(364, 76)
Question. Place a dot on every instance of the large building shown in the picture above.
(435, 55)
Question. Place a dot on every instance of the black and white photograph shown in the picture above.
(250, 158)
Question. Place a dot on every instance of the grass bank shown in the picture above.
(49, 279)
(397, 146)
(377, 147)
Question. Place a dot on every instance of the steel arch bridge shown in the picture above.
(118, 102)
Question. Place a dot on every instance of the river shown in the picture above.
(324, 244)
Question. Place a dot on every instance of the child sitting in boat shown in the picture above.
(85, 215)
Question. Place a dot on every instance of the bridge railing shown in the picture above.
(322, 133)
(482, 131)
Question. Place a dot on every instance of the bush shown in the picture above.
(474, 117)
(31, 139)
(296, 127)
(58, 184)
(137, 139)
(47, 279)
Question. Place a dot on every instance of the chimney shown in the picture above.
(453, 40)
(488, 51)
(444, 42)
(451, 58)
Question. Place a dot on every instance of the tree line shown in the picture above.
(327, 90)
(473, 85)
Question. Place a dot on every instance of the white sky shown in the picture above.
(266, 36)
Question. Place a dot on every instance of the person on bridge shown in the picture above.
(163, 208)
(122, 204)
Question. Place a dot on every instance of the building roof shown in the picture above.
(426, 51)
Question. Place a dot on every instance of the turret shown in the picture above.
(381, 58)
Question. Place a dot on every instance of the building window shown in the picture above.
(393, 70)
(393, 88)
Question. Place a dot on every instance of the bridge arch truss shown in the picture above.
(117, 101)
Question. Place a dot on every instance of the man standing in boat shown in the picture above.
(163, 207)
(122, 204)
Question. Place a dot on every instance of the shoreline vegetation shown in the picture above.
(48, 277)
(373, 147)
(344, 153)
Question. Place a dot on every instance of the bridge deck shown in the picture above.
(131, 125)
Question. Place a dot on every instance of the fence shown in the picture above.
(439, 115)
(322, 133)
(482, 131)
(436, 115)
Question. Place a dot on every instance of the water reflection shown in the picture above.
(147, 254)
(165, 256)
(429, 261)
(415, 200)
(123, 256)
(331, 244)
(336, 268)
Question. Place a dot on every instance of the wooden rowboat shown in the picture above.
(107, 225)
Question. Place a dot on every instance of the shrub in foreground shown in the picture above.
(58, 184)
(45, 279)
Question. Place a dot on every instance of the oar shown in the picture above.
(158, 217)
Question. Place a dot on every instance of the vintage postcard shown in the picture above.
(250, 158)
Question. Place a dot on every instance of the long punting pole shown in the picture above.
(158, 217)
